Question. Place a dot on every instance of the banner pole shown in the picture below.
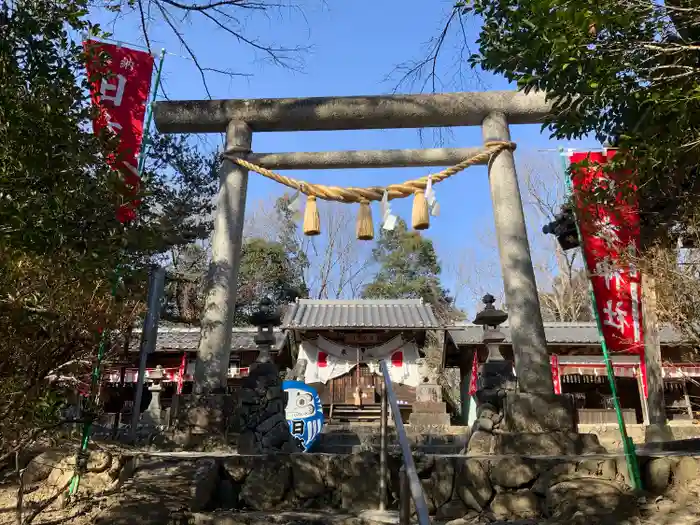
(96, 372)
(94, 388)
(149, 115)
(627, 443)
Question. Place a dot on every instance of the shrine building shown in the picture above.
(340, 342)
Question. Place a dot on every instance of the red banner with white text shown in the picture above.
(556, 373)
(610, 230)
(474, 375)
(120, 83)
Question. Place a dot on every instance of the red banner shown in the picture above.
(556, 373)
(120, 81)
(610, 231)
(181, 373)
(475, 372)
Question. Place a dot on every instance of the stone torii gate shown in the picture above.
(239, 118)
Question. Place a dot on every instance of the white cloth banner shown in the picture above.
(327, 360)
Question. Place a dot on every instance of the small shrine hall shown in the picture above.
(338, 345)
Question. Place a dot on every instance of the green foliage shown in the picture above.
(59, 237)
(620, 70)
(266, 271)
(408, 269)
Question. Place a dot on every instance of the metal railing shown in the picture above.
(409, 481)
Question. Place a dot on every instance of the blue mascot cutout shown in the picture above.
(304, 413)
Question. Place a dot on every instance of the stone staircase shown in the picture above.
(353, 413)
(349, 438)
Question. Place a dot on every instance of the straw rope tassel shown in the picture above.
(312, 222)
(365, 227)
(420, 215)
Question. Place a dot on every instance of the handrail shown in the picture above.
(410, 467)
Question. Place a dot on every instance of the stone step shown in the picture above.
(369, 413)
(351, 438)
(355, 449)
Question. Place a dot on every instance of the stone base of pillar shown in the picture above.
(429, 413)
(533, 413)
(263, 426)
(429, 408)
(206, 413)
(656, 433)
(511, 422)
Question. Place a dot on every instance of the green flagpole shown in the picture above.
(96, 371)
(627, 442)
(149, 116)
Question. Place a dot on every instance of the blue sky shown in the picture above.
(354, 49)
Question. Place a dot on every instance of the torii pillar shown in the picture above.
(533, 408)
(214, 352)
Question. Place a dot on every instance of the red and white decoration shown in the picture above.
(609, 231)
(181, 374)
(327, 360)
(681, 371)
(556, 373)
(473, 386)
(120, 81)
(177, 375)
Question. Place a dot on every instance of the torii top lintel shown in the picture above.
(346, 113)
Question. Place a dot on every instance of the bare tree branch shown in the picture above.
(217, 12)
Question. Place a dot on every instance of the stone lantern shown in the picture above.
(495, 380)
(490, 318)
(496, 372)
(152, 415)
(264, 428)
(265, 318)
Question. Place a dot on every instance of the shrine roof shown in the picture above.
(399, 314)
(580, 333)
(178, 339)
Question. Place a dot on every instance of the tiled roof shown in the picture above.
(176, 339)
(310, 314)
(556, 333)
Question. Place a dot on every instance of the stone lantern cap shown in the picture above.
(266, 314)
(490, 316)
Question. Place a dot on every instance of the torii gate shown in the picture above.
(239, 118)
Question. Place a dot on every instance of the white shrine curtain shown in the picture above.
(327, 360)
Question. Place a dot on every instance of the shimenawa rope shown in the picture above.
(374, 193)
(363, 196)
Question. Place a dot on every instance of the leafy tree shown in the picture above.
(272, 267)
(59, 237)
(408, 269)
(266, 271)
(624, 71)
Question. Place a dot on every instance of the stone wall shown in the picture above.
(503, 488)
(609, 434)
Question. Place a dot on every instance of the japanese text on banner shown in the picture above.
(120, 82)
(609, 232)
